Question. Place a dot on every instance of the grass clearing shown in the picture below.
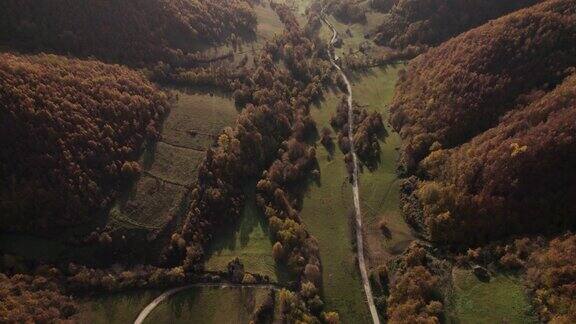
(249, 241)
(209, 305)
(353, 34)
(166, 198)
(118, 308)
(327, 206)
(326, 212)
(269, 24)
(171, 166)
(206, 305)
(501, 300)
(197, 118)
(379, 190)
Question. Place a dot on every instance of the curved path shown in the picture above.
(355, 188)
(150, 307)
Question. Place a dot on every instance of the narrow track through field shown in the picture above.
(355, 187)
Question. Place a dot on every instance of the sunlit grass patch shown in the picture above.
(209, 306)
(379, 189)
(249, 240)
(502, 299)
(326, 215)
(114, 308)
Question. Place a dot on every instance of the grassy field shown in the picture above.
(114, 308)
(199, 305)
(249, 240)
(327, 206)
(268, 22)
(197, 118)
(170, 167)
(268, 25)
(353, 34)
(501, 300)
(379, 191)
(326, 214)
(209, 306)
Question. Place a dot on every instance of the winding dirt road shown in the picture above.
(355, 187)
(150, 307)
(358, 214)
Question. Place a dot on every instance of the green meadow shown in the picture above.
(249, 240)
(379, 189)
(326, 211)
(502, 299)
(328, 204)
(209, 305)
(170, 167)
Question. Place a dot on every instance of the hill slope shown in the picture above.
(461, 88)
(130, 32)
(431, 22)
(69, 133)
(495, 142)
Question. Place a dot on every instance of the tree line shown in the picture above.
(367, 130)
(33, 299)
(268, 141)
(415, 294)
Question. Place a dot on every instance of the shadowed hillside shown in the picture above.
(431, 22)
(130, 32)
(496, 142)
(461, 88)
(71, 131)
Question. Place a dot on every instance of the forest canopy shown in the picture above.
(493, 143)
(431, 22)
(461, 88)
(33, 299)
(551, 276)
(515, 178)
(70, 132)
(132, 32)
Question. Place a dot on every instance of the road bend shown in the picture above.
(150, 307)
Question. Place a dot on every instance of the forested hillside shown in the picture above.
(463, 87)
(497, 142)
(516, 177)
(70, 133)
(551, 276)
(131, 32)
(430, 22)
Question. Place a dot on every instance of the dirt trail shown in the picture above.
(355, 187)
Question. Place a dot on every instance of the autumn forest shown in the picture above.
(287, 161)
